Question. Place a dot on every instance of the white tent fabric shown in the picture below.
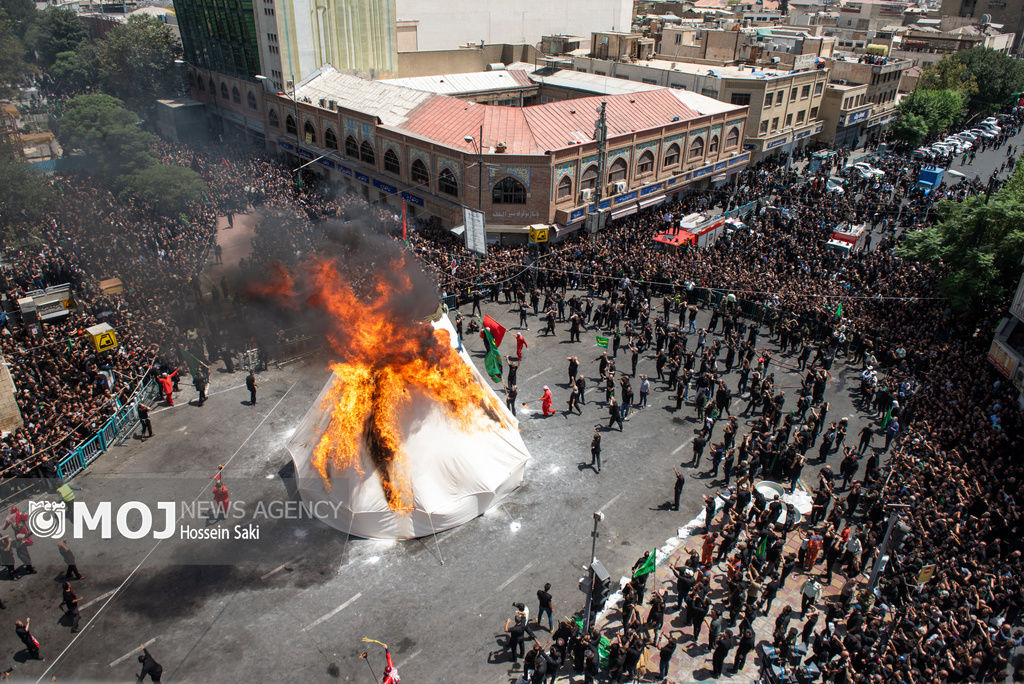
(455, 475)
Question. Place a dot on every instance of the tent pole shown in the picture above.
(433, 529)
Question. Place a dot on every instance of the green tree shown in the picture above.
(100, 125)
(998, 76)
(168, 189)
(56, 30)
(13, 69)
(136, 62)
(949, 74)
(24, 195)
(910, 128)
(939, 109)
(74, 71)
(21, 14)
(978, 243)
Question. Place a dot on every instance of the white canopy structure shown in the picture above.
(455, 474)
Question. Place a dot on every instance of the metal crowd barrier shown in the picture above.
(114, 431)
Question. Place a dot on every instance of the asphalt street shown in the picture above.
(294, 605)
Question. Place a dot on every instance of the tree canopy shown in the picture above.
(997, 77)
(979, 243)
(136, 62)
(930, 111)
(168, 189)
(54, 31)
(25, 194)
(110, 133)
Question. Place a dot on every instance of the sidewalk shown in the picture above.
(692, 661)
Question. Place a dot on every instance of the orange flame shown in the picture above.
(383, 360)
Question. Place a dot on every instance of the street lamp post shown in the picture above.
(598, 517)
(479, 144)
(893, 518)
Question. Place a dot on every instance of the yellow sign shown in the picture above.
(538, 234)
(926, 574)
(105, 341)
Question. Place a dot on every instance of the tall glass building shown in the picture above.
(219, 35)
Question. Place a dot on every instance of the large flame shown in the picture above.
(382, 360)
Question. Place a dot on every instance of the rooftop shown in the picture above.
(713, 70)
(473, 82)
(592, 83)
(529, 130)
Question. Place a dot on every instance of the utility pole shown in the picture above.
(884, 550)
(595, 220)
(598, 517)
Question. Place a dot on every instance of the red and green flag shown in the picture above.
(497, 329)
(493, 359)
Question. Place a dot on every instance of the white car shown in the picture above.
(867, 170)
(990, 121)
(969, 135)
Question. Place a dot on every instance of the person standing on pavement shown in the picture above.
(745, 646)
(31, 644)
(200, 383)
(516, 644)
(680, 483)
(614, 415)
(69, 559)
(251, 385)
(544, 605)
(595, 451)
(70, 602)
(147, 426)
(511, 392)
(149, 666)
(721, 652)
(220, 498)
(810, 592)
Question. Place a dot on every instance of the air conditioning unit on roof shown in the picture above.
(587, 194)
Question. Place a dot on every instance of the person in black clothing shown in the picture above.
(70, 602)
(665, 654)
(149, 666)
(544, 607)
(31, 645)
(721, 652)
(699, 442)
(516, 644)
(511, 392)
(746, 645)
(147, 426)
(200, 383)
(251, 385)
(595, 451)
(680, 483)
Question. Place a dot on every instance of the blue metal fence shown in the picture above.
(114, 431)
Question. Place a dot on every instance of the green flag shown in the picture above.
(493, 359)
(762, 548)
(648, 565)
(602, 342)
(602, 647)
(839, 310)
(888, 417)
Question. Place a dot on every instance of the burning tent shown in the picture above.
(450, 474)
(406, 438)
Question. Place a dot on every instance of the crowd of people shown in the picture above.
(949, 425)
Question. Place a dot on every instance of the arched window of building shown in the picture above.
(646, 163)
(564, 188)
(672, 155)
(351, 147)
(618, 170)
(289, 125)
(330, 139)
(251, 99)
(366, 153)
(508, 191)
(272, 118)
(418, 172)
(224, 91)
(391, 164)
(588, 181)
(697, 147)
(213, 88)
(309, 133)
(713, 145)
(447, 184)
(236, 96)
(733, 138)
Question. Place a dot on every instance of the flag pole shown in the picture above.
(367, 661)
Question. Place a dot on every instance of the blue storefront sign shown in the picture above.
(857, 116)
(329, 163)
(703, 172)
(604, 205)
(344, 170)
(803, 135)
(362, 177)
(742, 158)
(576, 215)
(412, 199)
(721, 165)
(649, 189)
(384, 187)
(285, 145)
(776, 143)
(306, 154)
(625, 198)
(670, 181)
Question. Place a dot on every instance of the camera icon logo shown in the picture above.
(46, 518)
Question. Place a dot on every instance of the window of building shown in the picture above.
(309, 133)
(780, 96)
(618, 170)
(646, 163)
(814, 112)
(775, 123)
(789, 120)
(330, 139)
(800, 116)
(564, 188)
(764, 126)
(768, 97)
(672, 155)
(508, 191)
(391, 164)
(446, 182)
(697, 147)
(272, 118)
(713, 145)
(741, 99)
(818, 87)
(224, 91)
(679, 39)
(588, 181)
(805, 92)
(732, 138)
(289, 125)
(366, 153)
(418, 172)
(351, 147)
(251, 99)
(792, 94)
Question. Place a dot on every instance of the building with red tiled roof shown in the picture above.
(520, 165)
